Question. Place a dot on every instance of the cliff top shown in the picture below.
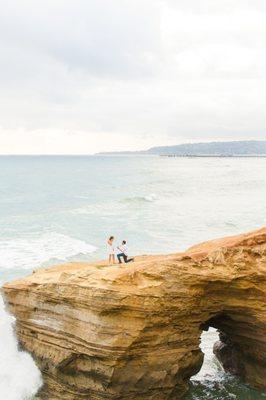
(201, 259)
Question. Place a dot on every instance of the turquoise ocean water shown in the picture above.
(54, 209)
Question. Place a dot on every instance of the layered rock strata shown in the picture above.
(133, 331)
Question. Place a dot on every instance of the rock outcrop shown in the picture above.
(133, 331)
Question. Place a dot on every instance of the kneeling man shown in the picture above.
(123, 253)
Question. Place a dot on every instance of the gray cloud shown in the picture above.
(87, 75)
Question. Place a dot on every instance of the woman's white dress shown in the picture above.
(110, 249)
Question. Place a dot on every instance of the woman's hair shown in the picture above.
(124, 242)
(111, 238)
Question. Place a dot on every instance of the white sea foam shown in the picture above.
(19, 376)
(210, 368)
(29, 252)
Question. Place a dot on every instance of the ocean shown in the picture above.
(58, 208)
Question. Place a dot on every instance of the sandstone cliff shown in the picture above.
(133, 332)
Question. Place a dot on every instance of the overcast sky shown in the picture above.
(81, 76)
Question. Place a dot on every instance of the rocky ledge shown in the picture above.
(133, 332)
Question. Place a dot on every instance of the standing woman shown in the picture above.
(111, 250)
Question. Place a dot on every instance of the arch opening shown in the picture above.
(230, 346)
(211, 366)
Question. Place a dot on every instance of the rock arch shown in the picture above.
(133, 332)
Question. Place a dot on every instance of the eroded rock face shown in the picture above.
(133, 331)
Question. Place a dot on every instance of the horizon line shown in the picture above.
(101, 152)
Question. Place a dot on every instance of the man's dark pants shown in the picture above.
(125, 258)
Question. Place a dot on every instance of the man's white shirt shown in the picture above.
(123, 249)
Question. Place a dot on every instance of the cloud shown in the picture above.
(90, 75)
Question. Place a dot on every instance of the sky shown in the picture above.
(82, 76)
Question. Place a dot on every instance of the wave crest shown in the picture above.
(148, 198)
(33, 251)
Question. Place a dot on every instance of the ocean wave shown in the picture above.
(148, 198)
(19, 376)
(29, 252)
(112, 208)
(100, 209)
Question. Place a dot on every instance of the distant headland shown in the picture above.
(244, 148)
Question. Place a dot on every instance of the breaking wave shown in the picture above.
(29, 252)
(148, 198)
(20, 378)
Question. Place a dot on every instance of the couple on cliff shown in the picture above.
(120, 251)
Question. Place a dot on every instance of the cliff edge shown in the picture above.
(133, 331)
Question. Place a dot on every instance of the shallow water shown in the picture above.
(54, 209)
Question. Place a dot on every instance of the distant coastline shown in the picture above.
(243, 148)
(213, 156)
